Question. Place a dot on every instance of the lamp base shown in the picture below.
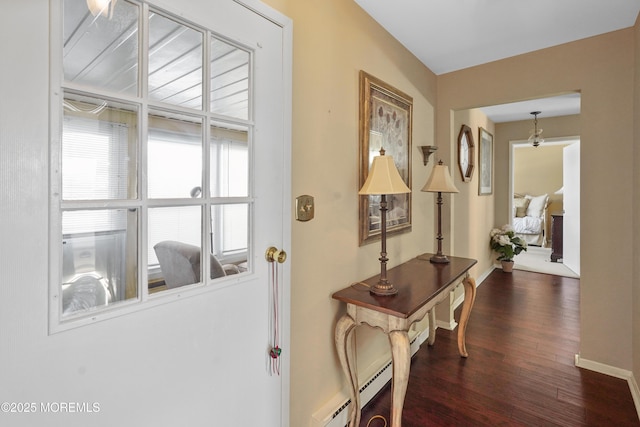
(383, 289)
(439, 259)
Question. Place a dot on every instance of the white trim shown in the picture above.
(269, 13)
(615, 372)
(449, 326)
(612, 371)
(484, 275)
(562, 140)
(287, 82)
(635, 393)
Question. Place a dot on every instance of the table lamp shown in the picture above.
(383, 179)
(440, 182)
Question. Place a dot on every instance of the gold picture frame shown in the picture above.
(386, 115)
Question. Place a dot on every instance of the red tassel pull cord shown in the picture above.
(275, 351)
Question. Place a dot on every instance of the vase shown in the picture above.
(507, 266)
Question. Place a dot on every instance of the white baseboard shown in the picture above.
(635, 393)
(449, 326)
(613, 372)
(484, 275)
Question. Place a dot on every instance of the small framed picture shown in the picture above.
(485, 162)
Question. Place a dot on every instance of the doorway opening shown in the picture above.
(547, 180)
(543, 173)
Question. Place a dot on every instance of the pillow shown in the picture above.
(537, 205)
(520, 205)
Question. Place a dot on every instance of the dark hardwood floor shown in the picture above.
(522, 337)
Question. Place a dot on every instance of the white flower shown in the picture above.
(504, 240)
(507, 227)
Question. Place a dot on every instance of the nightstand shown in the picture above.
(556, 236)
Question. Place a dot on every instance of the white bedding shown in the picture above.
(527, 225)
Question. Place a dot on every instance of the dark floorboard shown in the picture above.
(522, 337)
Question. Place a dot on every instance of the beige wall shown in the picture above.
(537, 171)
(554, 127)
(601, 68)
(335, 39)
(474, 213)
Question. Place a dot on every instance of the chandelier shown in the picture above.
(535, 137)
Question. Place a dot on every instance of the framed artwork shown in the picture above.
(385, 123)
(485, 160)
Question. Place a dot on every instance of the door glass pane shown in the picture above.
(99, 258)
(99, 149)
(174, 156)
(229, 80)
(175, 62)
(99, 50)
(229, 157)
(174, 247)
(230, 236)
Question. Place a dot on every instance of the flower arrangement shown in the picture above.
(505, 242)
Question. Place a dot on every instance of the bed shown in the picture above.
(530, 218)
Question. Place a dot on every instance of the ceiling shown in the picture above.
(448, 35)
(562, 105)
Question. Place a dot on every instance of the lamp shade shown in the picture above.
(440, 180)
(384, 178)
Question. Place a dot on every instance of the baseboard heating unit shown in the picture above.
(336, 412)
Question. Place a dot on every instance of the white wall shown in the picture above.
(571, 220)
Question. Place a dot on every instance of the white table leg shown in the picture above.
(401, 357)
(346, 354)
(432, 327)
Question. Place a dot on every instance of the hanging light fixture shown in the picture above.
(535, 137)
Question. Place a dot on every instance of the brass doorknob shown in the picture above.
(274, 254)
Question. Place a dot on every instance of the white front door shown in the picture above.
(246, 391)
(198, 355)
(250, 393)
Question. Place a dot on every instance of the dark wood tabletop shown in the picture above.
(418, 281)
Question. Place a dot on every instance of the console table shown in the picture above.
(421, 286)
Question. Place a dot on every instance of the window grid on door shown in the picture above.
(151, 135)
